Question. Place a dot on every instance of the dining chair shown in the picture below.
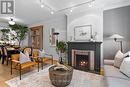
(4, 55)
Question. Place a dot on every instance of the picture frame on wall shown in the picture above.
(52, 39)
(83, 33)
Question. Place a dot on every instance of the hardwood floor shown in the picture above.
(5, 73)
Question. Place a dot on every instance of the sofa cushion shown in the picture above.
(111, 71)
(118, 59)
(125, 66)
(117, 82)
(114, 78)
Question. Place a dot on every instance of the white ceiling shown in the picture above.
(30, 12)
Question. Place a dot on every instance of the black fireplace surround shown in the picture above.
(92, 46)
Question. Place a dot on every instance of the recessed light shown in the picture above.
(52, 12)
(90, 5)
(71, 10)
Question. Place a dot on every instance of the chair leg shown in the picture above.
(11, 67)
(38, 66)
(42, 65)
(7, 60)
(20, 71)
(52, 59)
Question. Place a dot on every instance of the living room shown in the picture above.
(86, 39)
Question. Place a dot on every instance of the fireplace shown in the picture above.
(83, 59)
(84, 55)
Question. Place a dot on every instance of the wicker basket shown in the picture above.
(60, 78)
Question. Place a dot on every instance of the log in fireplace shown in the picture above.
(84, 55)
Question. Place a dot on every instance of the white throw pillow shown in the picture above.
(24, 58)
(41, 53)
(27, 54)
(125, 66)
(118, 59)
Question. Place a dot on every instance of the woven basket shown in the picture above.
(60, 78)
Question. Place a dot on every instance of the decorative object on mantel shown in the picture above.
(93, 37)
(61, 49)
(83, 33)
(117, 36)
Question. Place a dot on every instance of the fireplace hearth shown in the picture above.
(83, 59)
(84, 55)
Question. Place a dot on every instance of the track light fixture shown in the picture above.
(42, 5)
(88, 2)
(52, 12)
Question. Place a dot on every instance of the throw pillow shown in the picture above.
(41, 53)
(125, 66)
(24, 58)
(118, 59)
(27, 54)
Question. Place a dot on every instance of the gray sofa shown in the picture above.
(114, 78)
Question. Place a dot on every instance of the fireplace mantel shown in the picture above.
(92, 46)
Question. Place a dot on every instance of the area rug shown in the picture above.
(41, 79)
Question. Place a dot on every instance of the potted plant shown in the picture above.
(5, 36)
(61, 48)
(21, 32)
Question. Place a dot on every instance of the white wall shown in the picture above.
(59, 23)
(93, 17)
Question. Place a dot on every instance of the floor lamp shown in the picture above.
(117, 36)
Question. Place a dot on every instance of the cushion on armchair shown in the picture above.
(23, 58)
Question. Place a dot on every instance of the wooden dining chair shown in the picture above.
(21, 61)
(4, 55)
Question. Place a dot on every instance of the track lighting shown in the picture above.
(88, 2)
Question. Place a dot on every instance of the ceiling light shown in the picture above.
(42, 5)
(52, 12)
(90, 5)
(11, 22)
(71, 10)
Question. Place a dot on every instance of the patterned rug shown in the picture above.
(41, 79)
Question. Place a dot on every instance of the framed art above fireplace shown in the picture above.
(83, 33)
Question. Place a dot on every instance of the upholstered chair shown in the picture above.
(21, 61)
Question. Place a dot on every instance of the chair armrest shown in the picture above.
(108, 62)
(16, 61)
